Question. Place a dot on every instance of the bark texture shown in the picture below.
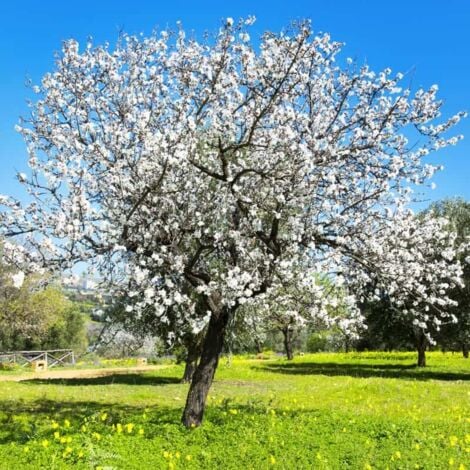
(204, 374)
(190, 364)
(287, 332)
(421, 346)
(193, 344)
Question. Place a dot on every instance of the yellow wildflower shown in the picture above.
(55, 425)
(189, 457)
(45, 443)
(119, 428)
(68, 450)
(66, 423)
(57, 435)
(141, 431)
(272, 460)
(104, 416)
(453, 440)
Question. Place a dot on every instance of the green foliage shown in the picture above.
(317, 342)
(68, 332)
(324, 411)
(37, 317)
(385, 329)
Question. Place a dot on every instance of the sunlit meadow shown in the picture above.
(326, 411)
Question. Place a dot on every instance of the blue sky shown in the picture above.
(430, 37)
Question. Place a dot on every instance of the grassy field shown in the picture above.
(325, 411)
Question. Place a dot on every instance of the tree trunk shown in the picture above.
(193, 343)
(288, 343)
(204, 373)
(192, 357)
(465, 350)
(421, 346)
(258, 346)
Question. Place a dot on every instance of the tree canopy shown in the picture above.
(214, 171)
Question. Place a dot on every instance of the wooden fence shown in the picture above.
(53, 357)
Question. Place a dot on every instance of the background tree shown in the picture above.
(429, 245)
(456, 335)
(168, 163)
(300, 304)
(385, 330)
(35, 316)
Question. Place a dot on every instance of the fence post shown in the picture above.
(46, 359)
(73, 358)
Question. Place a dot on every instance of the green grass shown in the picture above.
(325, 411)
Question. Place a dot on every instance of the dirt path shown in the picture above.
(78, 373)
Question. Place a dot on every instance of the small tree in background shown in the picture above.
(456, 335)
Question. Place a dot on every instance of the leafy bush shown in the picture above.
(317, 342)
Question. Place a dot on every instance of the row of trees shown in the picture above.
(203, 181)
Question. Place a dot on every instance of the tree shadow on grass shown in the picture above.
(399, 371)
(121, 379)
(22, 421)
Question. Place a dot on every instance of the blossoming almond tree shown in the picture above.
(298, 302)
(416, 267)
(207, 170)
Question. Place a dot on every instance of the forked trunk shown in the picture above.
(421, 346)
(204, 373)
(288, 343)
(191, 360)
(193, 343)
(193, 347)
